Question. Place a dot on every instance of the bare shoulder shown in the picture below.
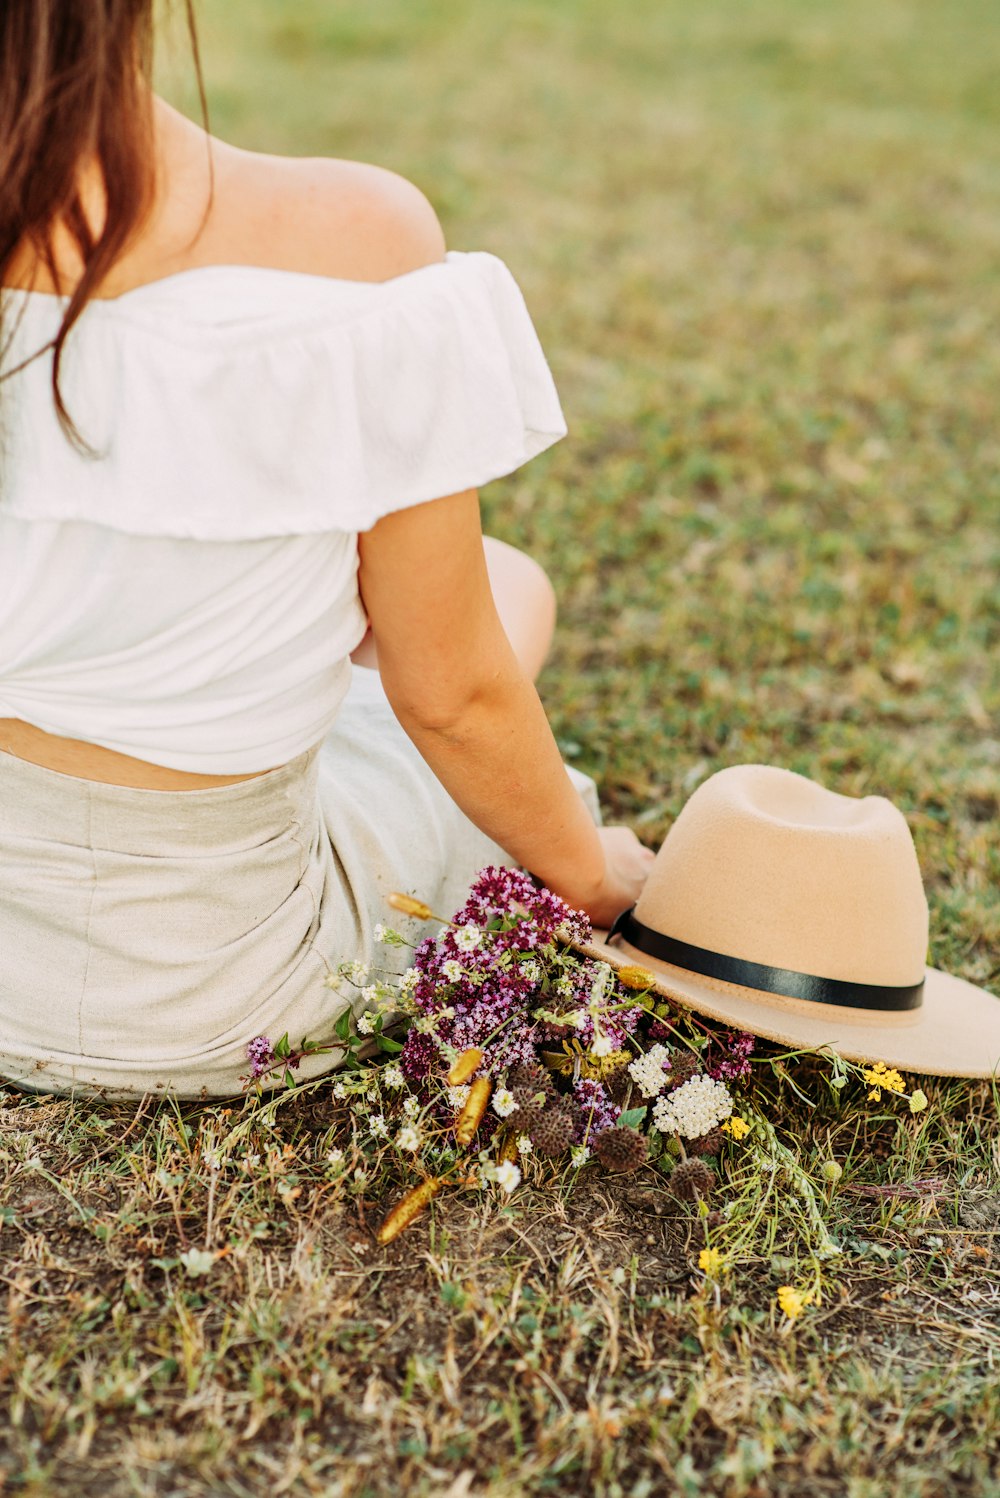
(339, 218)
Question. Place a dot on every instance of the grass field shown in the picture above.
(760, 243)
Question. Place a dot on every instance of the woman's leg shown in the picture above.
(525, 601)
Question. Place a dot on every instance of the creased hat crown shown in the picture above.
(767, 866)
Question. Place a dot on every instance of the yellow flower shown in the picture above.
(409, 906)
(918, 1101)
(881, 1077)
(592, 1068)
(792, 1301)
(633, 976)
(737, 1127)
(598, 1068)
(710, 1260)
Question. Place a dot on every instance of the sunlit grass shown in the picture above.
(760, 244)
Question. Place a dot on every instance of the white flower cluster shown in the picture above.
(504, 1102)
(451, 971)
(507, 1176)
(467, 938)
(408, 982)
(390, 937)
(647, 1071)
(694, 1109)
(600, 983)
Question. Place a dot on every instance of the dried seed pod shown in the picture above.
(471, 1116)
(692, 1179)
(621, 1149)
(553, 1130)
(619, 1085)
(708, 1144)
(534, 1078)
(411, 1206)
(683, 1066)
(532, 1089)
(530, 1104)
(409, 906)
(464, 1066)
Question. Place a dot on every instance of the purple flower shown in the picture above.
(733, 1065)
(598, 1109)
(534, 915)
(260, 1054)
(417, 1056)
(485, 974)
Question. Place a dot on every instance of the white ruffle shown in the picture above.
(240, 403)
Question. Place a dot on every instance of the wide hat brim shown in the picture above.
(954, 1033)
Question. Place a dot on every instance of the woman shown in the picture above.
(245, 404)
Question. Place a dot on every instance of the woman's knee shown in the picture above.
(525, 600)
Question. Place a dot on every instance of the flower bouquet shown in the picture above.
(505, 1041)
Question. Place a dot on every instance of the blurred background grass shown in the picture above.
(760, 244)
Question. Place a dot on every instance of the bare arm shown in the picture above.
(446, 663)
(457, 689)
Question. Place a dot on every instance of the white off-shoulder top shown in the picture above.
(189, 594)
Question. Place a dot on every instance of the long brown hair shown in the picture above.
(74, 78)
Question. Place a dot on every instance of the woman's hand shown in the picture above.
(626, 868)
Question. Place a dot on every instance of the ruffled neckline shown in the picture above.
(228, 270)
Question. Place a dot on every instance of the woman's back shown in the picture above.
(216, 208)
(218, 205)
(248, 424)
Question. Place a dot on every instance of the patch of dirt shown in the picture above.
(980, 1213)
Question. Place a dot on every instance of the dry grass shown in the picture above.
(760, 244)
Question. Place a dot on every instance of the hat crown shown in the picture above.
(767, 866)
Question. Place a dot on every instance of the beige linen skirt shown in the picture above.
(146, 937)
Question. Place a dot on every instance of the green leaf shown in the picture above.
(393, 1047)
(342, 1028)
(632, 1118)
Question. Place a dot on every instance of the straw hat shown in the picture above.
(799, 914)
